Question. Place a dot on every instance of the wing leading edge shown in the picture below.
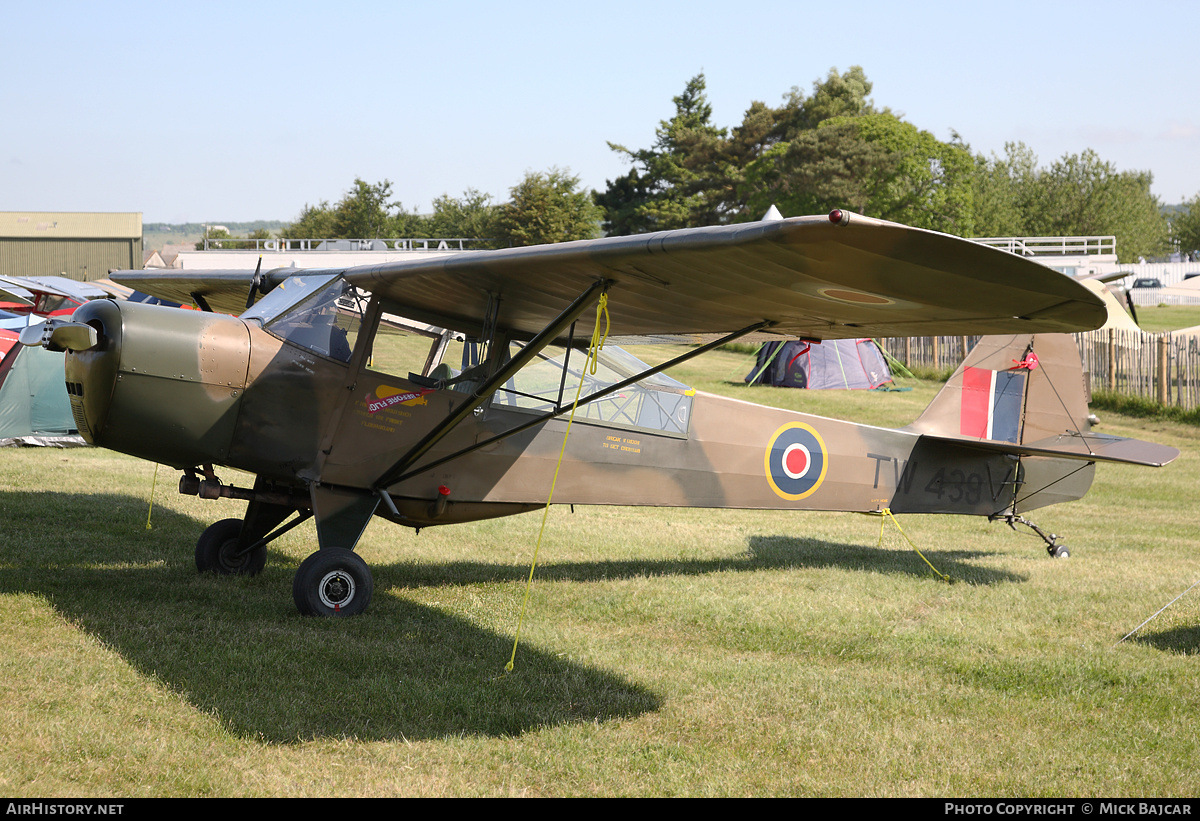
(808, 276)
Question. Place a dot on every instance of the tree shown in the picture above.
(675, 184)
(1185, 227)
(819, 170)
(221, 238)
(930, 181)
(875, 164)
(1004, 192)
(696, 173)
(472, 216)
(547, 207)
(215, 238)
(362, 213)
(1078, 195)
(1081, 195)
(314, 222)
(839, 95)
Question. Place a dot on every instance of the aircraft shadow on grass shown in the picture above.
(763, 553)
(1182, 640)
(405, 671)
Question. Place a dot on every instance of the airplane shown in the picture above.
(290, 375)
(25, 300)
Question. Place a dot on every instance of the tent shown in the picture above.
(34, 408)
(834, 363)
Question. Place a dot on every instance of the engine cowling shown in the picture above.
(160, 383)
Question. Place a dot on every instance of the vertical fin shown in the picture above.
(1021, 388)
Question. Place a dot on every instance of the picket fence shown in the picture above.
(1162, 367)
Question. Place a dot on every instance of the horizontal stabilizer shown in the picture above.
(1088, 447)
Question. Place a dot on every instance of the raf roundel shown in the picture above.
(795, 461)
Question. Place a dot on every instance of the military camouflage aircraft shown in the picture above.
(292, 390)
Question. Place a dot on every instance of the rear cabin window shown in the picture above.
(657, 403)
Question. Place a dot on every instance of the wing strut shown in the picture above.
(391, 478)
(547, 335)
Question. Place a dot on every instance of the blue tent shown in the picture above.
(34, 407)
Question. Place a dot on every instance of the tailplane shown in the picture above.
(1026, 395)
(1023, 398)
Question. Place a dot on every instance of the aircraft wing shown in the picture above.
(225, 290)
(11, 292)
(826, 277)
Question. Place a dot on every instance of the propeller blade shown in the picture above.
(32, 335)
(58, 335)
(254, 283)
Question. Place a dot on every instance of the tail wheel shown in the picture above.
(332, 582)
(217, 551)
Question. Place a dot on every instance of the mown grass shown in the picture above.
(665, 652)
(1158, 318)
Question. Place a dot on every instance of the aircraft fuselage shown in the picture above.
(189, 388)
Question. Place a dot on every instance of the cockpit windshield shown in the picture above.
(321, 312)
(286, 294)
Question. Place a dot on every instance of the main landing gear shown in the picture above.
(331, 582)
(218, 551)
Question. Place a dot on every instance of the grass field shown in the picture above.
(665, 652)
(1158, 318)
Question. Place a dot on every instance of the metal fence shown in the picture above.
(936, 352)
(1161, 367)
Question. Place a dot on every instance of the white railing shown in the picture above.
(1056, 246)
(343, 245)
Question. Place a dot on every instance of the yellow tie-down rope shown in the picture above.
(886, 514)
(153, 485)
(589, 366)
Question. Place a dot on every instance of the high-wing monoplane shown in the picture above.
(301, 389)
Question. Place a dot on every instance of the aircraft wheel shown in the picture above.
(332, 582)
(1059, 551)
(217, 551)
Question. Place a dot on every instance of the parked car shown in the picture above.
(1147, 282)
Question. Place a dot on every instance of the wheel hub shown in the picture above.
(230, 557)
(336, 589)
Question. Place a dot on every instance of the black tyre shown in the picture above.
(217, 551)
(333, 582)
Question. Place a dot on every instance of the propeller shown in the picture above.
(59, 335)
(255, 283)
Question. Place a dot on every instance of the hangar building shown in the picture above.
(78, 246)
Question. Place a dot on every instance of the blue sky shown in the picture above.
(239, 111)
